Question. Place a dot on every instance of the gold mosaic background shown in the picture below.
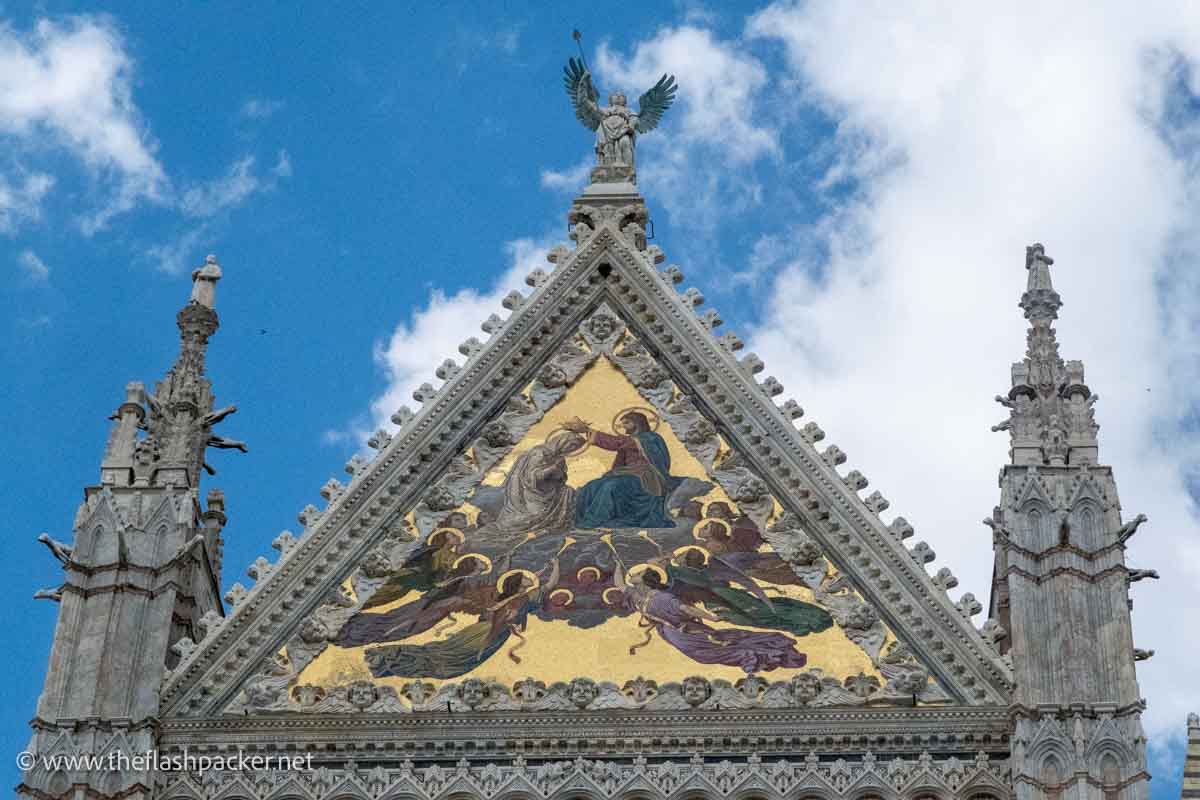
(556, 651)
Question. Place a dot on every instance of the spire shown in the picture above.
(181, 409)
(1051, 416)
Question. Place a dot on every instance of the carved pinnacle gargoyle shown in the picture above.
(998, 528)
(188, 545)
(49, 594)
(1142, 655)
(61, 551)
(221, 443)
(1136, 575)
(1126, 531)
(214, 417)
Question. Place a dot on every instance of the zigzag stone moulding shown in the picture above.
(607, 268)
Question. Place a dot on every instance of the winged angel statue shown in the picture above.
(616, 125)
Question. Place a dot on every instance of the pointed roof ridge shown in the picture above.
(605, 228)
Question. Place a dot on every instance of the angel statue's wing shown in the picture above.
(583, 94)
(653, 103)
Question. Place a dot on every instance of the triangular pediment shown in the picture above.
(793, 544)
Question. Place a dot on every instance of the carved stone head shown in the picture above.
(913, 680)
(439, 498)
(640, 690)
(751, 490)
(418, 692)
(700, 433)
(307, 695)
(805, 687)
(362, 695)
(377, 564)
(862, 684)
(552, 376)
(861, 617)
(315, 630)
(696, 690)
(261, 693)
(616, 99)
(652, 376)
(473, 692)
(145, 452)
(751, 687)
(602, 326)
(805, 553)
(496, 434)
(529, 690)
(582, 692)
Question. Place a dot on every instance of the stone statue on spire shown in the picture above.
(616, 125)
(204, 282)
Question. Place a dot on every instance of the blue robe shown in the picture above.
(631, 497)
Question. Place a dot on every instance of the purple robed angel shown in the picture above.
(683, 626)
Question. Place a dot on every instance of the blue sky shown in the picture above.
(853, 191)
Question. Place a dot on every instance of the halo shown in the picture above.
(649, 412)
(589, 568)
(487, 562)
(679, 551)
(604, 594)
(638, 569)
(699, 526)
(570, 595)
(578, 450)
(436, 531)
(500, 581)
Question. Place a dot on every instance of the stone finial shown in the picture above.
(1193, 720)
(1040, 301)
(204, 283)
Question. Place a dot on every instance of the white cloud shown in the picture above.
(571, 180)
(696, 164)
(961, 141)
(70, 84)
(717, 88)
(176, 255)
(508, 40)
(22, 201)
(432, 334)
(213, 197)
(34, 268)
(261, 108)
(209, 200)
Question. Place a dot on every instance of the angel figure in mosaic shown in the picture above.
(515, 595)
(465, 588)
(697, 576)
(423, 567)
(686, 627)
